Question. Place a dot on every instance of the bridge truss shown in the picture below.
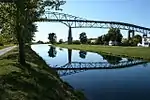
(78, 22)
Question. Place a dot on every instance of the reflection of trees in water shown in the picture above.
(52, 51)
(111, 59)
(145, 64)
(82, 54)
(130, 59)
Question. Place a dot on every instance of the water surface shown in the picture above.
(131, 83)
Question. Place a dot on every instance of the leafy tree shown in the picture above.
(83, 38)
(61, 41)
(133, 41)
(15, 22)
(19, 15)
(100, 40)
(114, 34)
(76, 42)
(137, 39)
(88, 41)
(52, 38)
(7, 21)
(125, 42)
(105, 39)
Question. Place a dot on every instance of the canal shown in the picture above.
(128, 83)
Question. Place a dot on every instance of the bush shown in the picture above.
(1, 44)
(60, 41)
(76, 42)
(88, 42)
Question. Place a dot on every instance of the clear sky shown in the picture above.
(130, 11)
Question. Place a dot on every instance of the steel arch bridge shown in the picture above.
(78, 22)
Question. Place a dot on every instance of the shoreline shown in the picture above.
(101, 50)
(33, 81)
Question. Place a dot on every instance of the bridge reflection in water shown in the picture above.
(76, 67)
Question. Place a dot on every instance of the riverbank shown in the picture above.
(34, 81)
(128, 52)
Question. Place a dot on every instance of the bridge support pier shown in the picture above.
(129, 34)
(69, 36)
(133, 33)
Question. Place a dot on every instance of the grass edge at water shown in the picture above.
(127, 52)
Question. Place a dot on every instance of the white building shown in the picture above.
(113, 43)
(145, 42)
(93, 41)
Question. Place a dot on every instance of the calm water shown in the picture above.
(132, 83)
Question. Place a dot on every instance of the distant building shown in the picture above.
(145, 42)
(113, 43)
(92, 40)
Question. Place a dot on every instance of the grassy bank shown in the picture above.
(34, 81)
(5, 46)
(131, 52)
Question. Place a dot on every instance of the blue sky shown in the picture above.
(130, 11)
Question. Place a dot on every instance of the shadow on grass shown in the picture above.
(34, 81)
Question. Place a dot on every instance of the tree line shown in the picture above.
(114, 34)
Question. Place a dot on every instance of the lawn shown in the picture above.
(131, 52)
(33, 81)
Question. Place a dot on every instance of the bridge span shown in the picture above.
(78, 22)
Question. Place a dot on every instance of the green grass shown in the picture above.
(135, 52)
(33, 81)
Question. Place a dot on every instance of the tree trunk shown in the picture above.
(21, 44)
(21, 51)
(19, 30)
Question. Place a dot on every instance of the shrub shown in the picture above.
(60, 41)
(1, 44)
(76, 42)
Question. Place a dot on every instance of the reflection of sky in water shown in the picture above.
(113, 84)
(131, 83)
(62, 55)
